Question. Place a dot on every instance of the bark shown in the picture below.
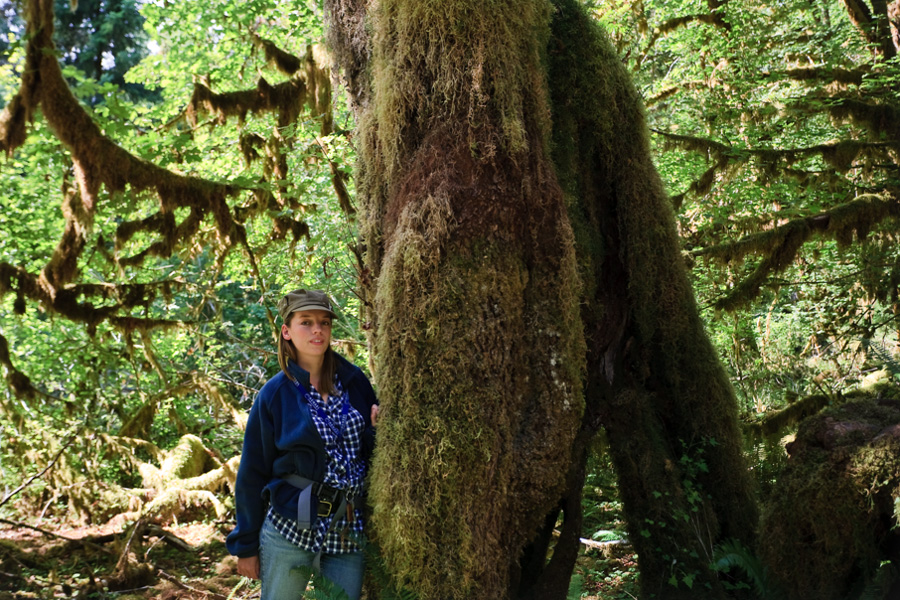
(875, 24)
(666, 403)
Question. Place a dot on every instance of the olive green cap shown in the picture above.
(304, 300)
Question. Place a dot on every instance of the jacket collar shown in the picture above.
(345, 371)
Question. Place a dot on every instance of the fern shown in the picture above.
(322, 587)
(383, 581)
(576, 587)
(882, 353)
(731, 553)
(878, 587)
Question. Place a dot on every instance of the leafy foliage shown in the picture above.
(732, 554)
(124, 308)
(771, 121)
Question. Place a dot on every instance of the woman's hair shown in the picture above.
(287, 351)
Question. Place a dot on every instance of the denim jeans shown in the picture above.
(279, 559)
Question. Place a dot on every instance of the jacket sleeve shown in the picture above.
(254, 473)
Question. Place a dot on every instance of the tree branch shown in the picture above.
(780, 245)
(671, 25)
(55, 535)
(838, 155)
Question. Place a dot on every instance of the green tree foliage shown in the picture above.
(143, 244)
(777, 133)
(103, 39)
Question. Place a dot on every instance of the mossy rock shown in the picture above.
(830, 528)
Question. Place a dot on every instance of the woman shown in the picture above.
(306, 451)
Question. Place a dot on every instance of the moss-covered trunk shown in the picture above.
(653, 375)
(479, 317)
(471, 273)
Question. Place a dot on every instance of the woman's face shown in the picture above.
(310, 333)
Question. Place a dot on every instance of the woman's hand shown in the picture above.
(374, 414)
(249, 567)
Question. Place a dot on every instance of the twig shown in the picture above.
(47, 468)
(122, 564)
(184, 586)
(169, 538)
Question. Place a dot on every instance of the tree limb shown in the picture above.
(780, 245)
(838, 155)
(55, 535)
(188, 588)
(671, 25)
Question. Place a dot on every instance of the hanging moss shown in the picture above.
(881, 121)
(286, 99)
(19, 382)
(99, 163)
(667, 27)
(286, 62)
(776, 423)
(822, 74)
(779, 246)
(13, 122)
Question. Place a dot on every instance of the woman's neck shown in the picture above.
(314, 368)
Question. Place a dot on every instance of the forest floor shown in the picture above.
(87, 562)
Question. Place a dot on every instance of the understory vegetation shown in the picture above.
(172, 168)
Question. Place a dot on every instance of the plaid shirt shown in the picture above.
(346, 471)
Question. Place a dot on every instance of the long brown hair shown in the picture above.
(287, 351)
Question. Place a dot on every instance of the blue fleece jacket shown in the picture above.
(280, 439)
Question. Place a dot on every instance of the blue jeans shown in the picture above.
(281, 580)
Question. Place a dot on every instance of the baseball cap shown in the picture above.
(304, 300)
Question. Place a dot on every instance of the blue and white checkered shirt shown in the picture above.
(346, 471)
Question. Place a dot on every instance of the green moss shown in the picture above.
(652, 370)
(474, 294)
(480, 408)
(457, 57)
(829, 521)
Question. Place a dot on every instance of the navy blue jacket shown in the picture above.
(280, 439)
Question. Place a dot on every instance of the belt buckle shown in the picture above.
(327, 511)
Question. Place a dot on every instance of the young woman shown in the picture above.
(305, 456)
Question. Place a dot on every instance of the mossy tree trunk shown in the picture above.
(653, 375)
(477, 337)
(479, 314)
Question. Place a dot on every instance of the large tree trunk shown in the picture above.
(473, 292)
(477, 337)
(665, 401)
